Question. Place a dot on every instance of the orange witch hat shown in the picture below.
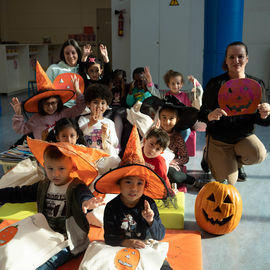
(45, 89)
(133, 164)
(84, 158)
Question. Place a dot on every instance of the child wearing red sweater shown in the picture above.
(155, 142)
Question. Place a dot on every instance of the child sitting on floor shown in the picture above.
(175, 81)
(66, 130)
(73, 198)
(155, 142)
(119, 88)
(99, 131)
(169, 116)
(138, 88)
(132, 217)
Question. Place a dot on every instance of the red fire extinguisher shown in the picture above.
(120, 24)
(120, 21)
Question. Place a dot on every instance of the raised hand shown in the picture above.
(104, 128)
(104, 53)
(133, 243)
(97, 114)
(147, 74)
(193, 80)
(131, 86)
(86, 51)
(76, 84)
(16, 105)
(148, 213)
(264, 110)
(92, 203)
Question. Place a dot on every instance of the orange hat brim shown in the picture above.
(83, 158)
(31, 104)
(155, 185)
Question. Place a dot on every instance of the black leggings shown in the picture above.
(180, 177)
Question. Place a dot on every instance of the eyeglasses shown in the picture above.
(53, 103)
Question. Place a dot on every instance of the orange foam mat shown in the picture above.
(184, 248)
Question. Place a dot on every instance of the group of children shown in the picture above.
(54, 122)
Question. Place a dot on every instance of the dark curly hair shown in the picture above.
(97, 90)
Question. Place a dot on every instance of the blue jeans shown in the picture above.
(185, 134)
(57, 260)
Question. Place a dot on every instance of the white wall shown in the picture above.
(181, 38)
(121, 45)
(145, 31)
(29, 21)
(256, 35)
(155, 34)
(164, 37)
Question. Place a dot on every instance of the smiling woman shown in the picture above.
(230, 141)
(70, 56)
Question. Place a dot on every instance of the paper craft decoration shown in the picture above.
(45, 89)
(100, 256)
(239, 96)
(63, 81)
(185, 249)
(218, 208)
(29, 243)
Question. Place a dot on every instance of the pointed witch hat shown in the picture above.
(45, 89)
(187, 115)
(84, 158)
(133, 164)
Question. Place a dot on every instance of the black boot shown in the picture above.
(204, 163)
(242, 176)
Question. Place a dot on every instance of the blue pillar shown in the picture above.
(223, 24)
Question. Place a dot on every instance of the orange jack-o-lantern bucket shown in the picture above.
(218, 208)
(239, 96)
(127, 259)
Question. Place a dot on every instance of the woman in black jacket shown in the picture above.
(230, 140)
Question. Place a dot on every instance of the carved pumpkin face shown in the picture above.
(218, 208)
(127, 259)
(239, 96)
(63, 81)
